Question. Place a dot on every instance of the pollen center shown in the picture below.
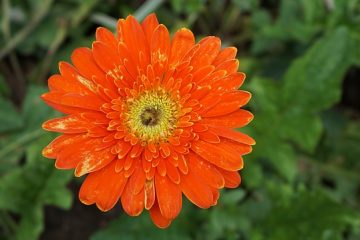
(152, 116)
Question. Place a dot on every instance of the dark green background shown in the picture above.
(302, 60)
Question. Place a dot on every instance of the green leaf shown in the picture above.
(141, 227)
(13, 144)
(232, 197)
(34, 110)
(313, 81)
(313, 84)
(293, 130)
(25, 190)
(297, 21)
(42, 36)
(283, 160)
(10, 119)
(355, 37)
(252, 177)
(289, 113)
(268, 128)
(53, 190)
(232, 218)
(31, 223)
(307, 215)
(314, 11)
(266, 97)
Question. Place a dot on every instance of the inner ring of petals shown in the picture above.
(152, 116)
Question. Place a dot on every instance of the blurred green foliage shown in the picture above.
(302, 180)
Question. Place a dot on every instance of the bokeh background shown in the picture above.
(302, 60)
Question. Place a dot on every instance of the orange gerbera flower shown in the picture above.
(149, 118)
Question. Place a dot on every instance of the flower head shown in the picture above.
(149, 118)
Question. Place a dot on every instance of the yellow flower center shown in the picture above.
(152, 116)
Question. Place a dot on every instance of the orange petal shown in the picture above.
(160, 45)
(149, 25)
(91, 160)
(132, 204)
(216, 195)
(149, 189)
(135, 40)
(59, 83)
(200, 92)
(119, 166)
(172, 172)
(165, 149)
(209, 49)
(233, 135)
(159, 220)
(96, 118)
(73, 100)
(68, 124)
(209, 137)
(230, 82)
(125, 148)
(78, 82)
(182, 164)
(225, 54)
(169, 196)
(200, 127)
(105, 57)
(100, 132)
(232, 178)
(230, 66)
(236, 119)
(230, 102)
(129, 71)
(105, 36)
(189, 55)
(120, 29)
(206, 171)
(150, 174)
(70, 157)
(84, 62)
(103, 187)
(215, 76)
(161, 167)
(240, 148)
(201, 74)
(59, 107)
(181, 43)
(209, 101)
(219, 154)
(137, 179)
(66, 140)
(196, 190)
